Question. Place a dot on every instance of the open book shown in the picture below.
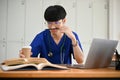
(37, 63)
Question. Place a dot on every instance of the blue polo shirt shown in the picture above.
(60, 53)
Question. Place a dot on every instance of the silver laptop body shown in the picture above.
(100, 54)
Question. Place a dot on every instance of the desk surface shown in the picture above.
(71, 73)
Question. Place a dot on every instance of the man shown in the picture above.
(58, 42)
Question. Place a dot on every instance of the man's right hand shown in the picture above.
(22, 55)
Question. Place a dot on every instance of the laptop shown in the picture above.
(100, 54)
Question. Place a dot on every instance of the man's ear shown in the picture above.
(64, 20)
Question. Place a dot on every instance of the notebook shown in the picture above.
(100, 54)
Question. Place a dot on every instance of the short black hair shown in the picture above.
(54, 13)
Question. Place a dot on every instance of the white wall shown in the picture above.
(114, 21)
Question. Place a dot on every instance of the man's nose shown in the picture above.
(53, 26)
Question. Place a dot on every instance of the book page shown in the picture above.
(38, 63)
(19, 61)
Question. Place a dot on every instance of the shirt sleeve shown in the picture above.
(36, 45)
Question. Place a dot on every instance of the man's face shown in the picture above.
(56, 25)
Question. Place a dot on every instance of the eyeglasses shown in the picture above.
(56, 23)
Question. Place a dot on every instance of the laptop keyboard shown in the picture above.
(74, 65)
(82, 65)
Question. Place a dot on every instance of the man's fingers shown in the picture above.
(22, 56)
